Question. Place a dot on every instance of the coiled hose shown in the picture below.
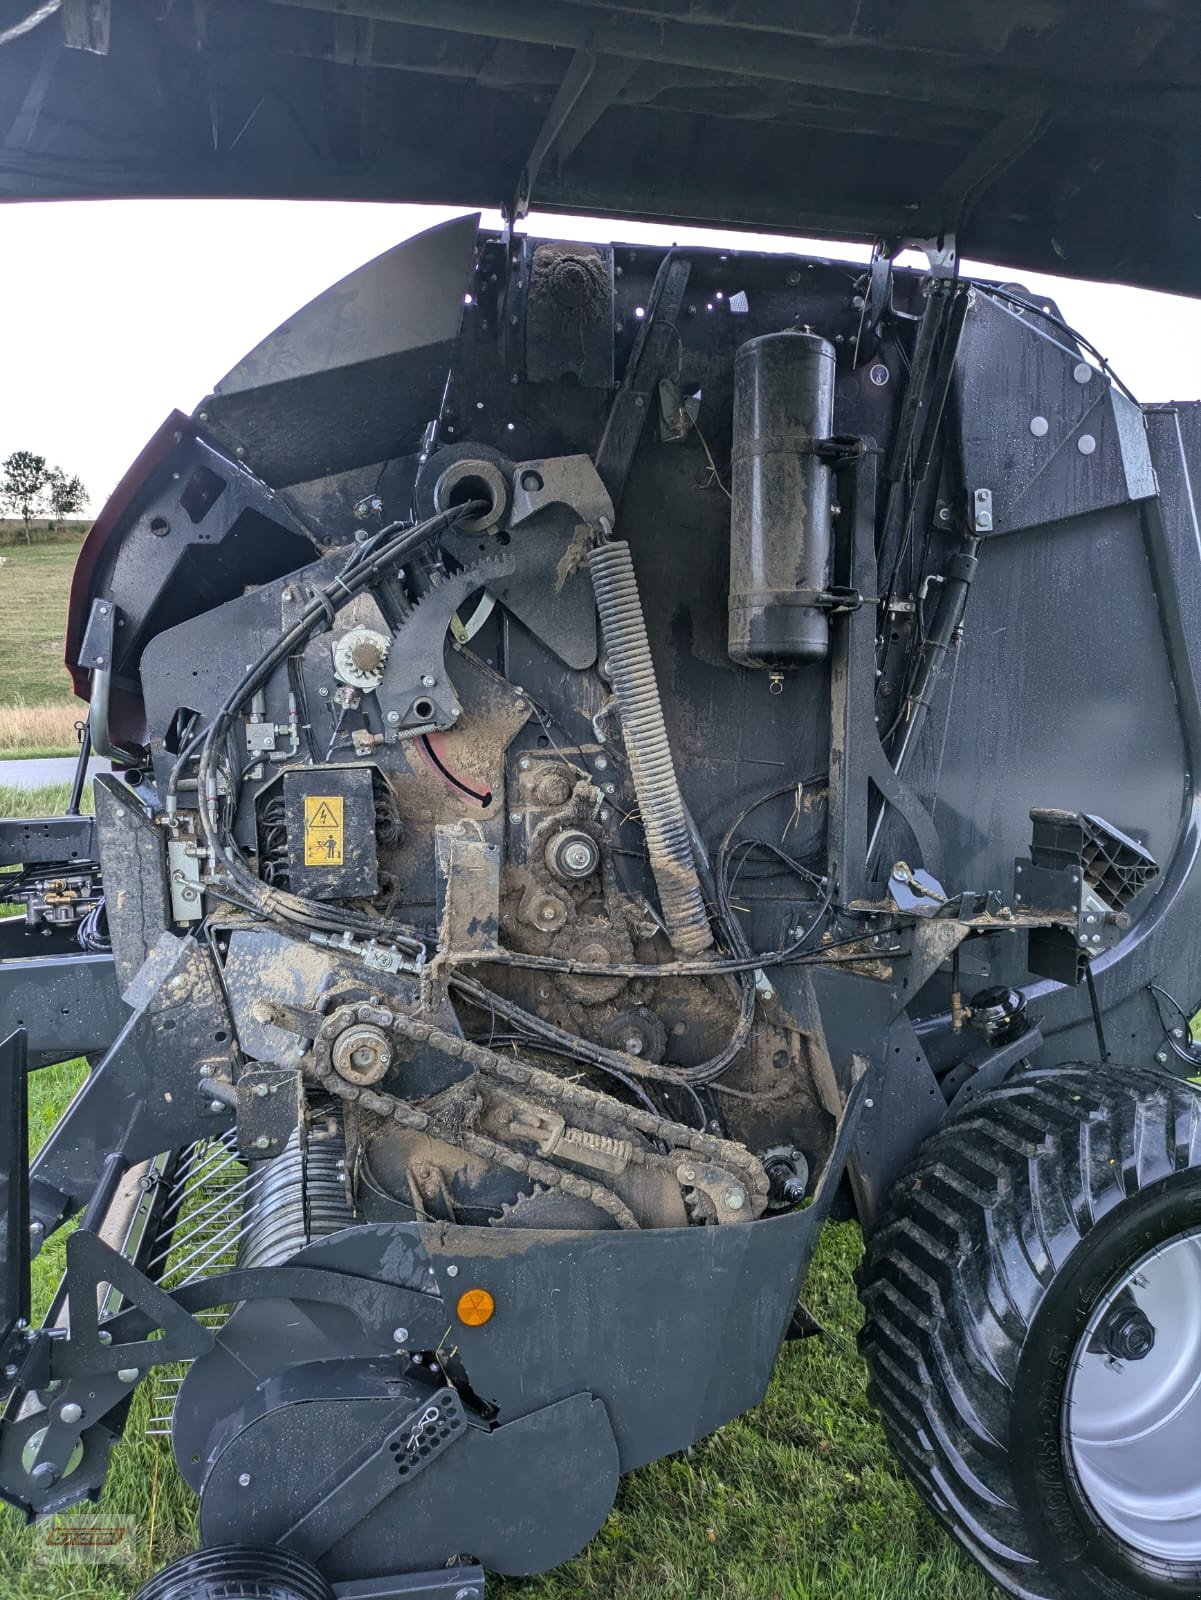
(632, 673)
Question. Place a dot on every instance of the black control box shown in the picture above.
(330, 814)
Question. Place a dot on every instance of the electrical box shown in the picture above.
(330, 814)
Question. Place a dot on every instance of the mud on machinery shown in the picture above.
(591, 804)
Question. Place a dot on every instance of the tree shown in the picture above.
(23, 484)
(66, 493)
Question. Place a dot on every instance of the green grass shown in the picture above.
(34, 581)
(799, 1500)
(48, 800)
(37, 708)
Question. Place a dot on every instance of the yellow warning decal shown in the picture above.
(323, 830)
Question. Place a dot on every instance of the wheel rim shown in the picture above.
(1133, 1421)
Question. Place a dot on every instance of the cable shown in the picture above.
(367, 561)
(90, 935)
(1191, 1056)
(1037, 307)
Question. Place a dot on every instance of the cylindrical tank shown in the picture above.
(780, 516)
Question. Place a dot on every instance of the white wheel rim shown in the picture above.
(1134, 1426)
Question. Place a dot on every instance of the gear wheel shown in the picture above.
(543, 1208)
(415, 694)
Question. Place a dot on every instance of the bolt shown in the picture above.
(128, 1375)
(548, 912)
(262, 1142)
(601, 763)
(734, 1199)
(524, 763)
(456, 711)
(427, 682)
(400, 1335)
(244, 1480)
(261, 1091)
(578, 857)
(604, 813)
(216, 1107)
(514, 816)
(11, 1370)
(1178, 1033)
(1086, 444)
(869, 1105)
(1161, 1056)
(879, 374)
(944, 513)
(71, 1412)
(45, 1475)
(1039, 426)
(1090, 918)
(1082, 372)
(687, 1174)
(633, 1045)
(323, 692)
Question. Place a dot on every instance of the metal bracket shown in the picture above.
(269, 1103)
(571, 481)
(857, 758)
(358, 1487)
(981, 511)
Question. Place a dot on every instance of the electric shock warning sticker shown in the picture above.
(324, 831)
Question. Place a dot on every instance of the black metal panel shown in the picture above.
(68, 1005)
(354, 377)
(146, 1095)
(14, 1193)
(525, 1495)
(46, 839)
(133, 855)
(1061, 140)
(1042, 429)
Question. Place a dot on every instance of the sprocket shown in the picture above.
(415, 694)
(546, 1208)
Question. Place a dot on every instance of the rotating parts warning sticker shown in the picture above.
(324, 830)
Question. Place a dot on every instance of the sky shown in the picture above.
(117, 311)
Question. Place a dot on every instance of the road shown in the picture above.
(44, 770)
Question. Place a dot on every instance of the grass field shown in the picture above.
(800, 1500)
(37, 709)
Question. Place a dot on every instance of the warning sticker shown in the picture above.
(323, 830)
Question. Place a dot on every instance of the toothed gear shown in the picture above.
(544, 1208)
(415, 694)
(360, 656)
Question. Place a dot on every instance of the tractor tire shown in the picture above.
(1033, 1332)
(237, 1572)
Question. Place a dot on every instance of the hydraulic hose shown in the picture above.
(632, 673)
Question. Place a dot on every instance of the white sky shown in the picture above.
(116, 311)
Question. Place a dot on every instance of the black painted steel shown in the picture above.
(915, 123)
(561, 1218)
(14, 1195)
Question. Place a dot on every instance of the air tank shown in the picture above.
(780, 491)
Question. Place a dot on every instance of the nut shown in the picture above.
(362, 1054)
